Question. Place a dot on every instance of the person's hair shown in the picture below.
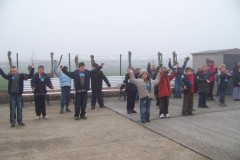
(95, 65)
(65, 68)
(187, 69)
(157, 68)
(41, 66)
(211, 61)
(81, 64)
(13, 67)
(130, 67)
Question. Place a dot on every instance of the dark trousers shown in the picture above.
(65, 96)
(202, 100)
(131, 98)
(164, 103)
(15, 103)
(40, 106)
(80, 103)
(211, 86)
(187, 103)
(97, 95)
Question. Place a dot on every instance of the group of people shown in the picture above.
(144, 84)
(156, 81)
(40, 81)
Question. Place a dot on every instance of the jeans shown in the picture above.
(236, 93)
(80, 104)
(65, 96)
(97, 95)
(221, 96)
(177, 87)
(202, 100)
(145, 104)
(15, 102)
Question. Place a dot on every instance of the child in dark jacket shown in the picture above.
(81, 77)
(222, 86)
(203, 87)
(39, 82)
(189, 88)
(131, 91)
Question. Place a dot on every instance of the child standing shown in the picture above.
(145, 86)
(165, 91)
(39, 82)
(222, 86)
(189, 88)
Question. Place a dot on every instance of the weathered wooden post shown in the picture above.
(51, 55)
(76, 61)
(174, 57)
(10, 59)
(92, 59)
(159, 58)
(129, 58)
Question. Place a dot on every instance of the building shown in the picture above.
(229, 57)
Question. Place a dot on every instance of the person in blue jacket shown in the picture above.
(65, 84)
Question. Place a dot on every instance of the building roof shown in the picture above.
(223, 51)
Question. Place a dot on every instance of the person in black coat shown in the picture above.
(236, 84)
(222, 86)
(39, 82)
(15, 90)
(81, 77)
(131, 91)
(96, 86)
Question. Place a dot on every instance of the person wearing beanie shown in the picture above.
(96, 86)
(145, 86)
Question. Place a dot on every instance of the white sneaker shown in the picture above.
(161, 116)
(37, 117)
(45, 117)
(167, 116)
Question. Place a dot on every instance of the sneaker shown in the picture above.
(61, 111)
(193, 109)
(224, 105)
(167, 116)
(133, 111)
(205, 107)
(76, 118)
(21, 124)
(45, 117)
(143, 122)
(184, 114)
(83, 117)
(161, 116)
(93, 107)
(129, 112)
(68, 110)
(190, 114)
(102, 106)
(12, 125)
(147, 120)
(221, 104)
(37, 117)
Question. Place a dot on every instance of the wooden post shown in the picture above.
(51, 74)
(76, 61)
(92, 59)
(120, 64)
(174, 57)
(159, 58)
(69, 62)
(10, 59)
(129, 58)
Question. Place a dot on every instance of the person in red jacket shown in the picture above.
(211, 79)
(165, 91)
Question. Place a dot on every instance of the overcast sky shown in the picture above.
(34, 28)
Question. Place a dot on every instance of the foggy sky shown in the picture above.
(34, 28)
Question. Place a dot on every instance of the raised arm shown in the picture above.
(132, 79)
(56, 70)
(156, 80)
(30, 75)
(149, 69)
(185, 63)
(95, 71)
(7, 77)
(69, 74)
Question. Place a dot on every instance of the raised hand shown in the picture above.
(55, 61)
(102, 64)
(32, 65)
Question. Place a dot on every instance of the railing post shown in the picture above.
(69, 62)
(120, 64)
(17, 59)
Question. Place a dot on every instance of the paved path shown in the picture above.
(212, 133)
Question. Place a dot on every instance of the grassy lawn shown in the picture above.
(3, 84)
